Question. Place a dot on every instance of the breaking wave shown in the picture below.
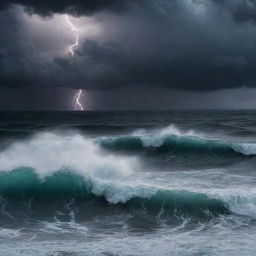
(25, 184)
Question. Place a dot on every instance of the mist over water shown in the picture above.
(127, 183)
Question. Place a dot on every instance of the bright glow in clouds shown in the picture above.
(78, 104)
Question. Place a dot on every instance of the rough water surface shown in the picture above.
(127, 183)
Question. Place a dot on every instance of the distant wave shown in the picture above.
(171, 140)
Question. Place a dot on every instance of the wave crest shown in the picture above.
(47, 153)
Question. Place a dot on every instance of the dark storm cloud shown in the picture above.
(189, 45)
(241, 10)
(79, 7)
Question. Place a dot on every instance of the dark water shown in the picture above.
(127, 183)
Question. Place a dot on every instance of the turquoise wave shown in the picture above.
(177, 145)
(24, 184)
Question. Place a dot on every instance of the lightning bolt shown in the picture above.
(74, 29)
(78, 96)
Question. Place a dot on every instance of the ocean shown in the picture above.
(128, 183)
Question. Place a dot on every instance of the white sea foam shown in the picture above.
(9, 233)
(155, 138)
(121, 192)
(245, 148)
(174, 130)
(47, 153)
(169, 130)
(58, 227)
(239, 201)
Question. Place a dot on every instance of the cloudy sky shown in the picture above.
(131, 54)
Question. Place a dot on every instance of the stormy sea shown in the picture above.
(128, 183)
